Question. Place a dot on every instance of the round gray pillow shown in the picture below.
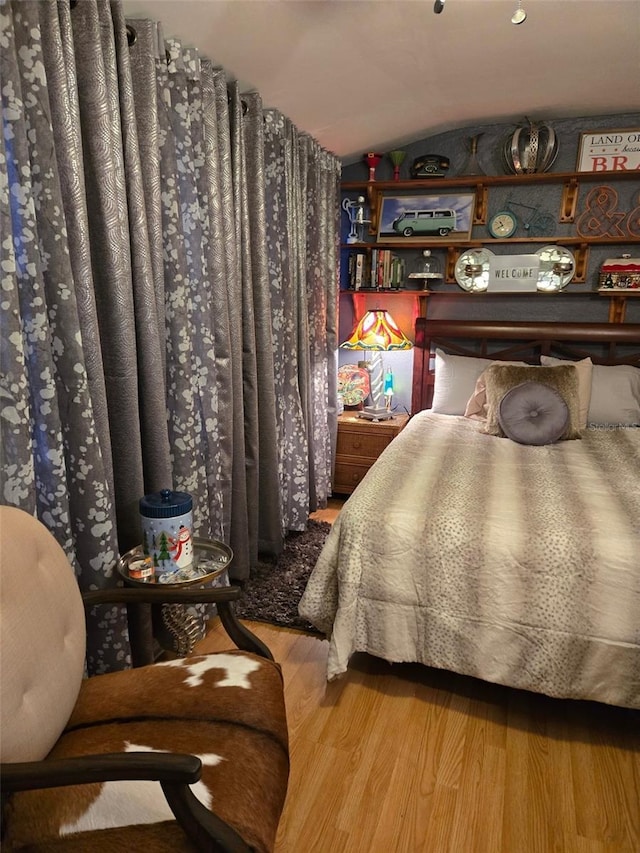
(533, 413)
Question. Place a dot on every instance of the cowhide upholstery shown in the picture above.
(226, 708)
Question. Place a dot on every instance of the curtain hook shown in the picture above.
(245, 105)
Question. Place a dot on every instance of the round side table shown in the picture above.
(178, 627)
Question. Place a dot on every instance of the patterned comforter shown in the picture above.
(515, 564)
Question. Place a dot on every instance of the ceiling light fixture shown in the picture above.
(519, 16)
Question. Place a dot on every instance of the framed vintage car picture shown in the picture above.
(437, 217)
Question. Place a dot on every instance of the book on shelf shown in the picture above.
(379, 269)
(359, 272)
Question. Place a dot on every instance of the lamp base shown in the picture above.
(375, 413)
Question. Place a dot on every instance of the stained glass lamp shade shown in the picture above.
(378, 332)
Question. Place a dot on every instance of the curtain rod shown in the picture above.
(132, 35)
(132, 38)
(245, 105)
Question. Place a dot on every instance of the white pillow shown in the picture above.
(584, 368)
(615, 395)
(455, 379)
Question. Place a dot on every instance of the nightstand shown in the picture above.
(359, 444)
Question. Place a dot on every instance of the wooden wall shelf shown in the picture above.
(493, 180)
(571, 182)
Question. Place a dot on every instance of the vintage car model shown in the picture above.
(425, 222)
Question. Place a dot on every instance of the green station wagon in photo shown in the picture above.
(412, 222)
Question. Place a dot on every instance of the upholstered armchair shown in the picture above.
(181, 755)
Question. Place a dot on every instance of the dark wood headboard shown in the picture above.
(604, 343)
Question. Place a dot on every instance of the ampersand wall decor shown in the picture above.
(601, 218)
(633, 220)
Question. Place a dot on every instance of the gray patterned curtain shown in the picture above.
(169, 293)
(302, 191)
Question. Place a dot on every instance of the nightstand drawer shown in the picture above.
(347, 476)
(362, 444)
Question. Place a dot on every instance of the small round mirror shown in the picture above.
(557, 268)
(472, 270)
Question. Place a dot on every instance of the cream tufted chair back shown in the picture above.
(42, 638)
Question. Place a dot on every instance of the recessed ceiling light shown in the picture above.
(519, 16)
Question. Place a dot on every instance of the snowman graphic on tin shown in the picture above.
(181, 547)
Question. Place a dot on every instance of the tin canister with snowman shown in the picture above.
(167, 521)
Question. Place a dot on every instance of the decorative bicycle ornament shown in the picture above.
(534, 221)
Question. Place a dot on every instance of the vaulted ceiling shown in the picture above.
(362, 75)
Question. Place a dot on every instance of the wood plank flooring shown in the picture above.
(406, 759)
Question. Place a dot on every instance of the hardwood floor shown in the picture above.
(406, 759)
(330, 512)
(402, 758)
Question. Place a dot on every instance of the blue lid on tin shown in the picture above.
(165, 504)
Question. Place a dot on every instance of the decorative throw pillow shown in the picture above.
(585, 370)
(476, 407)
(533, 413)
(615, 395)
(503, 377)
(455, 379)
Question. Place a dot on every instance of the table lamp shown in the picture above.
(378, 332)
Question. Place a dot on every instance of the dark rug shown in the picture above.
(275, 588)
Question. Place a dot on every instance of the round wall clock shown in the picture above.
(503, 224)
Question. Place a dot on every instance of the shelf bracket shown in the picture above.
(452, 258)
(581, 255)
(617, 309)
(569, 201)
(372, 199)
(480, 212)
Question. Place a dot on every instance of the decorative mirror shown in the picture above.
(557, 268)
(472, 270)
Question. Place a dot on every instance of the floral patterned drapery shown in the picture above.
(157, 328)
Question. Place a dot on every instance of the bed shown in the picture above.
(513, 562)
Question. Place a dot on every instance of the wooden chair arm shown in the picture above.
(207, 831)
(161, 594)
(106, 767)
(175, 772)
(222, 596)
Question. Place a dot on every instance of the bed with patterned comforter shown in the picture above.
(516, 564)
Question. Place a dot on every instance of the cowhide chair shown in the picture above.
(184, 755)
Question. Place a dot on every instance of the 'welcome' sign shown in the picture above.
(513, 273)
